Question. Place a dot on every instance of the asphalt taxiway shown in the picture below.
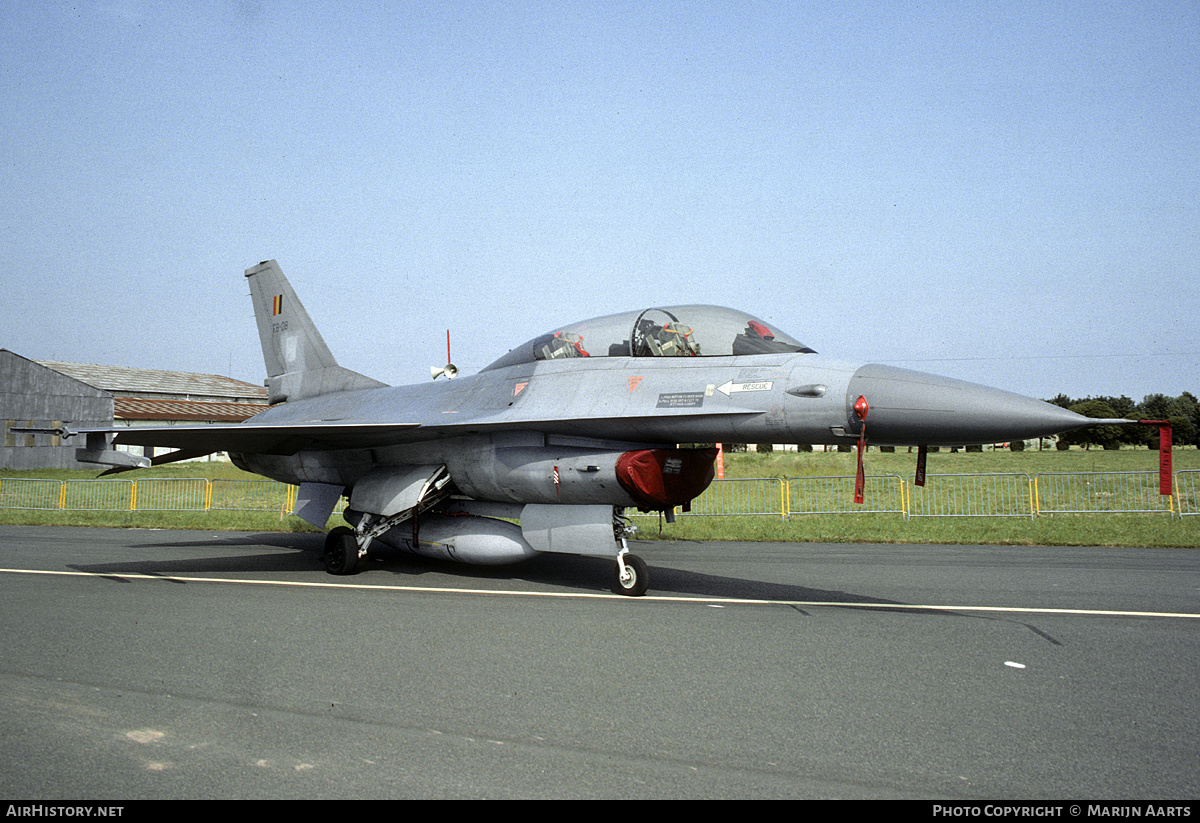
(169, 664)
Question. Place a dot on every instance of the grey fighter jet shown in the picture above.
(563, 433)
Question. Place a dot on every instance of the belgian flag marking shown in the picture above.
(277, 305)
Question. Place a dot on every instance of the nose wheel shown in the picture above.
(633, 577)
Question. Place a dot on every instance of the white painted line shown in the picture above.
(716, 601)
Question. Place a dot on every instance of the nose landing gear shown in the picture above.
(633, 577)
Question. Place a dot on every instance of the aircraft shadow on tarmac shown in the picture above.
(301, 553)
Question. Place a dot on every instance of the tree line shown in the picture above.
(1183, 412)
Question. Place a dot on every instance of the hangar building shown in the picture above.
(45, 393)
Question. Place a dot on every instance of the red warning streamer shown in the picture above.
(1164, 454)
(861, 408)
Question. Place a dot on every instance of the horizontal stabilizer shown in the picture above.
(158, 460)
(111, 457)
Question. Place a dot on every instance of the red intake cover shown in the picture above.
(662, 478)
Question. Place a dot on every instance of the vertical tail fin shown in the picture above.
(299, 364)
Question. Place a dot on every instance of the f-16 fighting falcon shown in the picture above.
(544, 449)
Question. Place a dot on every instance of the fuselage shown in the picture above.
(581, 405)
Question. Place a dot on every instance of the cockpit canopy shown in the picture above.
(673, 331)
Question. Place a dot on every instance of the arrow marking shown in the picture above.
(731, 387)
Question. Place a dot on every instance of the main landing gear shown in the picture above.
(344, 549)
(341, 551)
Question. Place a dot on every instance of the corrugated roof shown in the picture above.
(12, 364)
(118, 379)
(137, 408)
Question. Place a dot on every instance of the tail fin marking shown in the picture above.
(299, 364)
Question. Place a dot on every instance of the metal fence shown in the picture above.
(882, 493)
(97, 495)
(147, 494)
(759, 495)
(251, 495)
(974, 495)
(19, 493)
(946, 495)
(1101, 492)
(170, 494)
(1187, 492)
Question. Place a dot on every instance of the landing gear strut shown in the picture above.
(632, 578)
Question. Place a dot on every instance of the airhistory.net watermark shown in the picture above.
(48, 810)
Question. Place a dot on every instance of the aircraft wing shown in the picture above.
(280, 438)
(290, 438)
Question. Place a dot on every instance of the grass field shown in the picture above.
(1137, 530)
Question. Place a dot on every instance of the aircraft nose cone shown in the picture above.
(913, 408)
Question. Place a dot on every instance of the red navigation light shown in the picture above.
(861, 407)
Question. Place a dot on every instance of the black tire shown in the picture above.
(341, 551)
(639, 577)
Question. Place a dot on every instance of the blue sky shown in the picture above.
(1004, 193)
